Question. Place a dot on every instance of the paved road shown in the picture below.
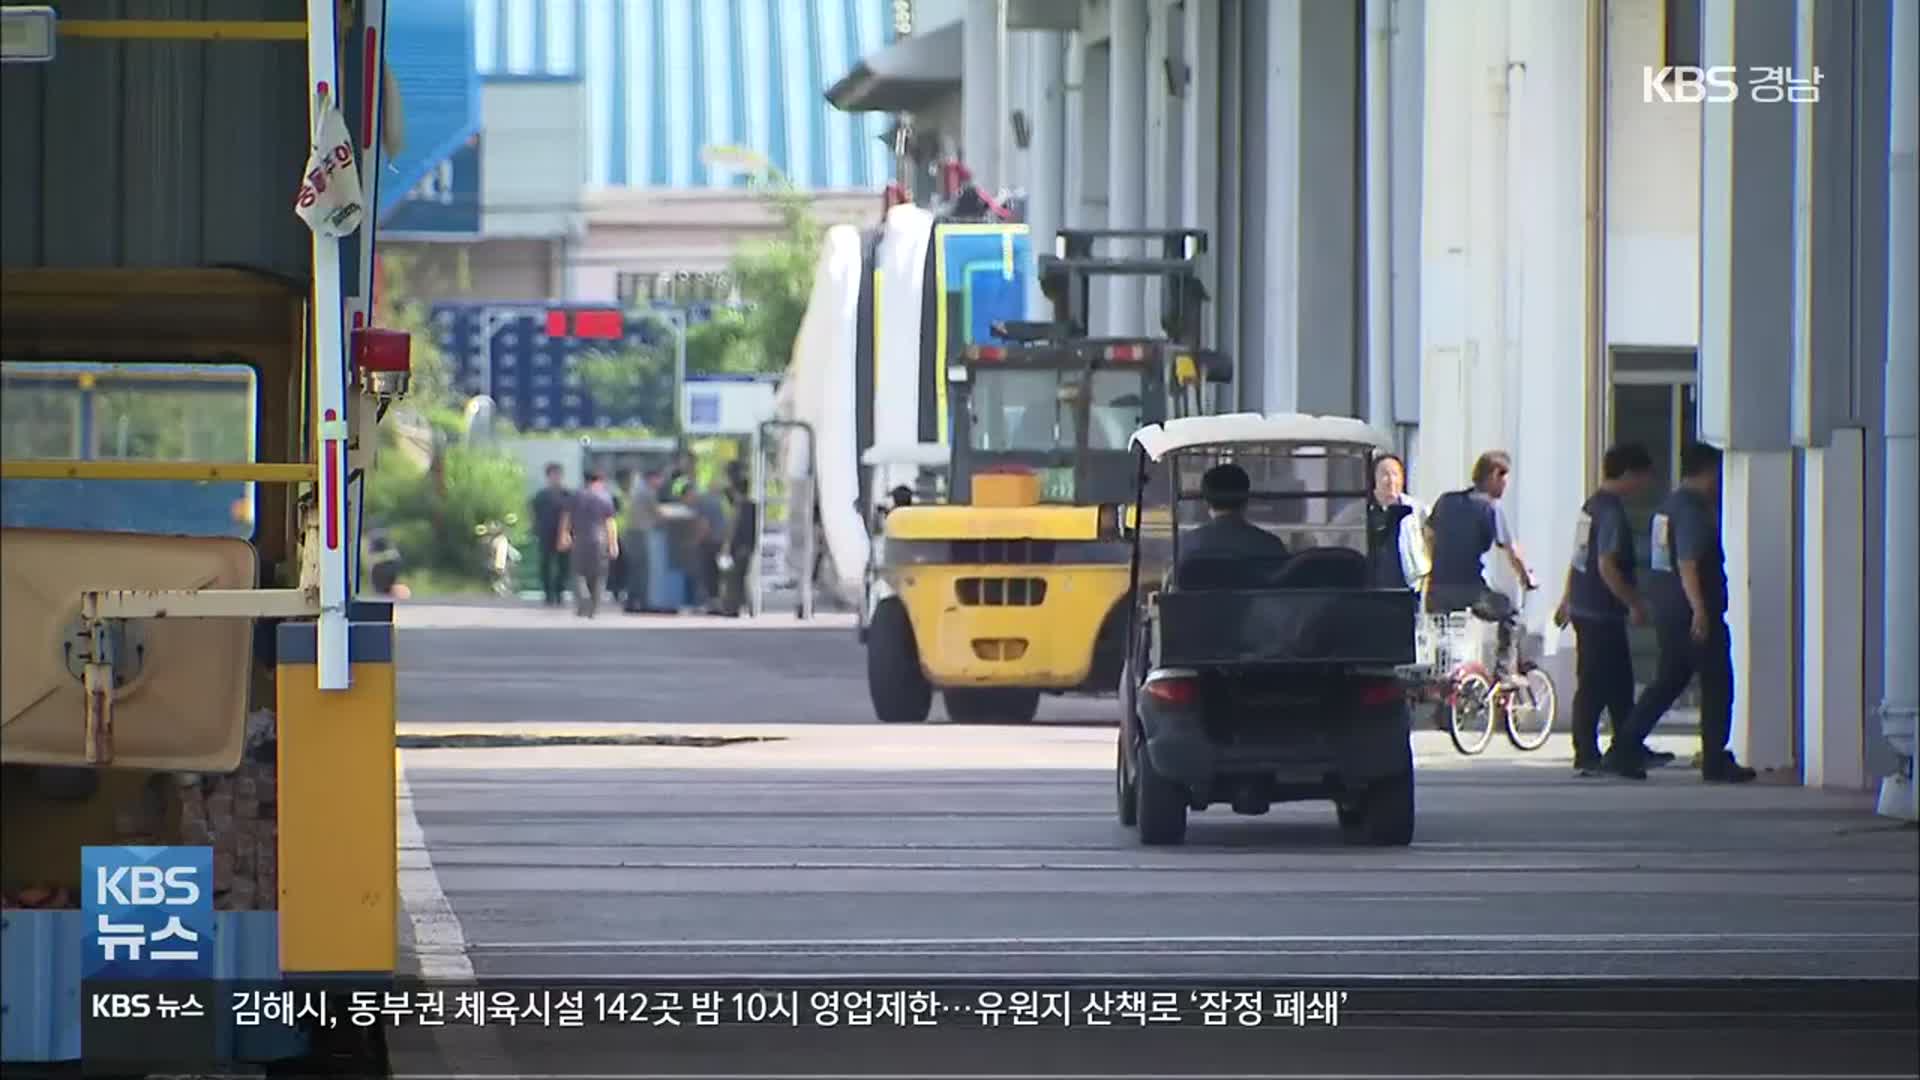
(837, 847)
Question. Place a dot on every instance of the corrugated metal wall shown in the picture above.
(153, 153)
(667, 77)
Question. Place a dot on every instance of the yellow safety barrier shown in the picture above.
(184, 29)
(248, 472)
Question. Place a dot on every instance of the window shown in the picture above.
(129, 412)
(1036, 411)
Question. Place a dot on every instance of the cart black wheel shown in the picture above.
(899, 689)
(1160, 804)
(1387, 813)
(1124, 781)
(991, 705)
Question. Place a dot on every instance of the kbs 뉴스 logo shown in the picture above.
(148, 912)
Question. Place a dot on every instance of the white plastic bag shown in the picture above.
(330, 200)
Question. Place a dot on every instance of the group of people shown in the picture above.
(600, 539)
(1443, 551)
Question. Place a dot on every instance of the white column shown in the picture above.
(1047, 190)
(983, 65)
(1746, 312)
(1546, 305)
(1898, 793)
(1832, 702)
(1756, 523)
(1017, 93)
(1457, 100)
(1833, 705)
(1379, 294)
(1073, 178)
(1407, 95)
(1127, 147)
(1201, 149)
(1281, 245)
(1156, 213)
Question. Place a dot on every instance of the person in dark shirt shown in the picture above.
(1601, 597)
(549, 507)
(709, 506)
(1462, 527)
(1688, 590)
(589, 533)
(740, 545)
(1228, 535)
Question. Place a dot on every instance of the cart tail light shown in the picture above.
(1383, 692)
(1174, 687)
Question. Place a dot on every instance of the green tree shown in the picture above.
(634, 384)
(775, 279)
(405, 277)
(723, 345)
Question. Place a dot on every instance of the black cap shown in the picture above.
(1225, 483)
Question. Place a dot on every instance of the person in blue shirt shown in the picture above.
(1688, 590)
(1601, 598)
(1461, 528)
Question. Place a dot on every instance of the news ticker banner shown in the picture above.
(196, 1023)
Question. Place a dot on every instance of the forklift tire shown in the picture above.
(899, 689)
(991, 705)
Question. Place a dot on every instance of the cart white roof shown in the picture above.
(1158, 440)
(924, 455)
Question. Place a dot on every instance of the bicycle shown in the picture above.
(1474, 694)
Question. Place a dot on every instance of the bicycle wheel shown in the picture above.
(1529, 714)
(1469, 715)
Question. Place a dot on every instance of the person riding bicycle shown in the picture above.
(1462, 528)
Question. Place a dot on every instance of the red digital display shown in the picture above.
(603, 325)
(556, 324)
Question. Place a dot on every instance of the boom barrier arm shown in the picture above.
(329, 372)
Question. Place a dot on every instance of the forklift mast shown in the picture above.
(1066, 279)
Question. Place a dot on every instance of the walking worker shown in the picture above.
(1601, 597)
(1462, 528)
(549, 509)
(1688, 588)
(588, 533)
(643, 516)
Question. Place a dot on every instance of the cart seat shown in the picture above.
(1222, 572)
(1323, 568)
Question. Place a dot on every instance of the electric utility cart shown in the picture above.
(1015, 585)
(1253, 681)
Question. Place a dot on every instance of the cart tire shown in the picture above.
(1468, 699)
(899, 689)
(1541, 716)
(991, 705)
(1387, 813)
(1124, 781)
(1160, 804)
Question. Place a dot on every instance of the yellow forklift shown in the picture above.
(1014, 587)
(186, 663)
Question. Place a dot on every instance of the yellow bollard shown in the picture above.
(338, 850)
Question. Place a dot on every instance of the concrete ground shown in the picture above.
(841, 848)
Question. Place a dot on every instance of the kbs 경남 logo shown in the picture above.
(148, 912)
